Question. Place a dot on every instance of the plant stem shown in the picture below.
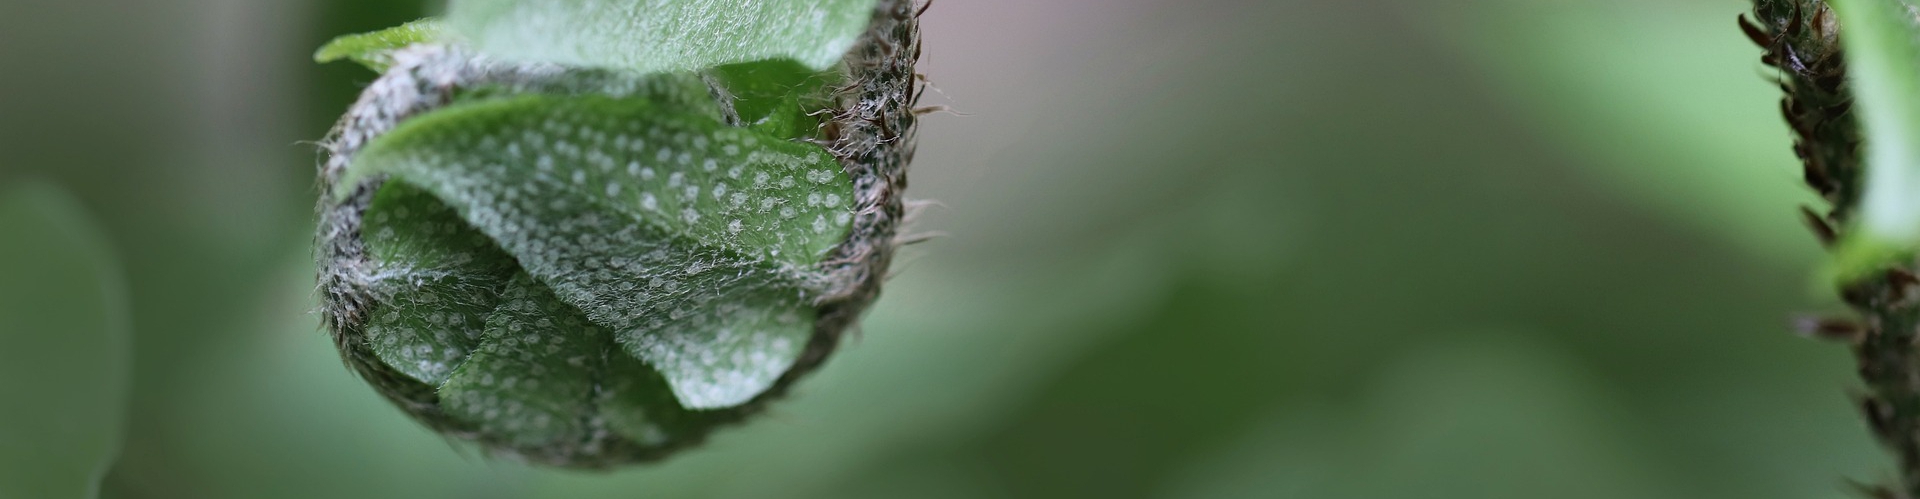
(1801, 38)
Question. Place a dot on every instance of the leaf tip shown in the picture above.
(370, 49)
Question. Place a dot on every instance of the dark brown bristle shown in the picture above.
(1821, 229)
(1754, 33)
(1831, 329)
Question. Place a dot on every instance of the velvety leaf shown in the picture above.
(683, 92)
(692, 241)
(637, 403)
(533, 377)
(547, 376)
(438, 280)
(64, 347)
(662, 35)
(371, 49)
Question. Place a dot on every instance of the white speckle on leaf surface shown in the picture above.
(564, 234)
(433, 280)
(725, 275)
(544, 408)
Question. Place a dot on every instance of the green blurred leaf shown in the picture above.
(662, 35)
(371, 49)
(691, 241)
(1883, 67)
(64, 350)
(1673, 118)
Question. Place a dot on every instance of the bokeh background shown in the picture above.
(1197, 249)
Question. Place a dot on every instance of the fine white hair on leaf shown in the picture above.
(548, 332)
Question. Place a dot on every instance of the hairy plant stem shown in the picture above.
(1802, 42)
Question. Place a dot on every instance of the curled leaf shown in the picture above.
(693, 241)
(592, 266)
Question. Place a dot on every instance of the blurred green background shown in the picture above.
(1198, 249)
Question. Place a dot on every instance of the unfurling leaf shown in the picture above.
(694, 242)
(590, 262)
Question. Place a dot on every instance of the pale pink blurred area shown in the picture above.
(1058, 103)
